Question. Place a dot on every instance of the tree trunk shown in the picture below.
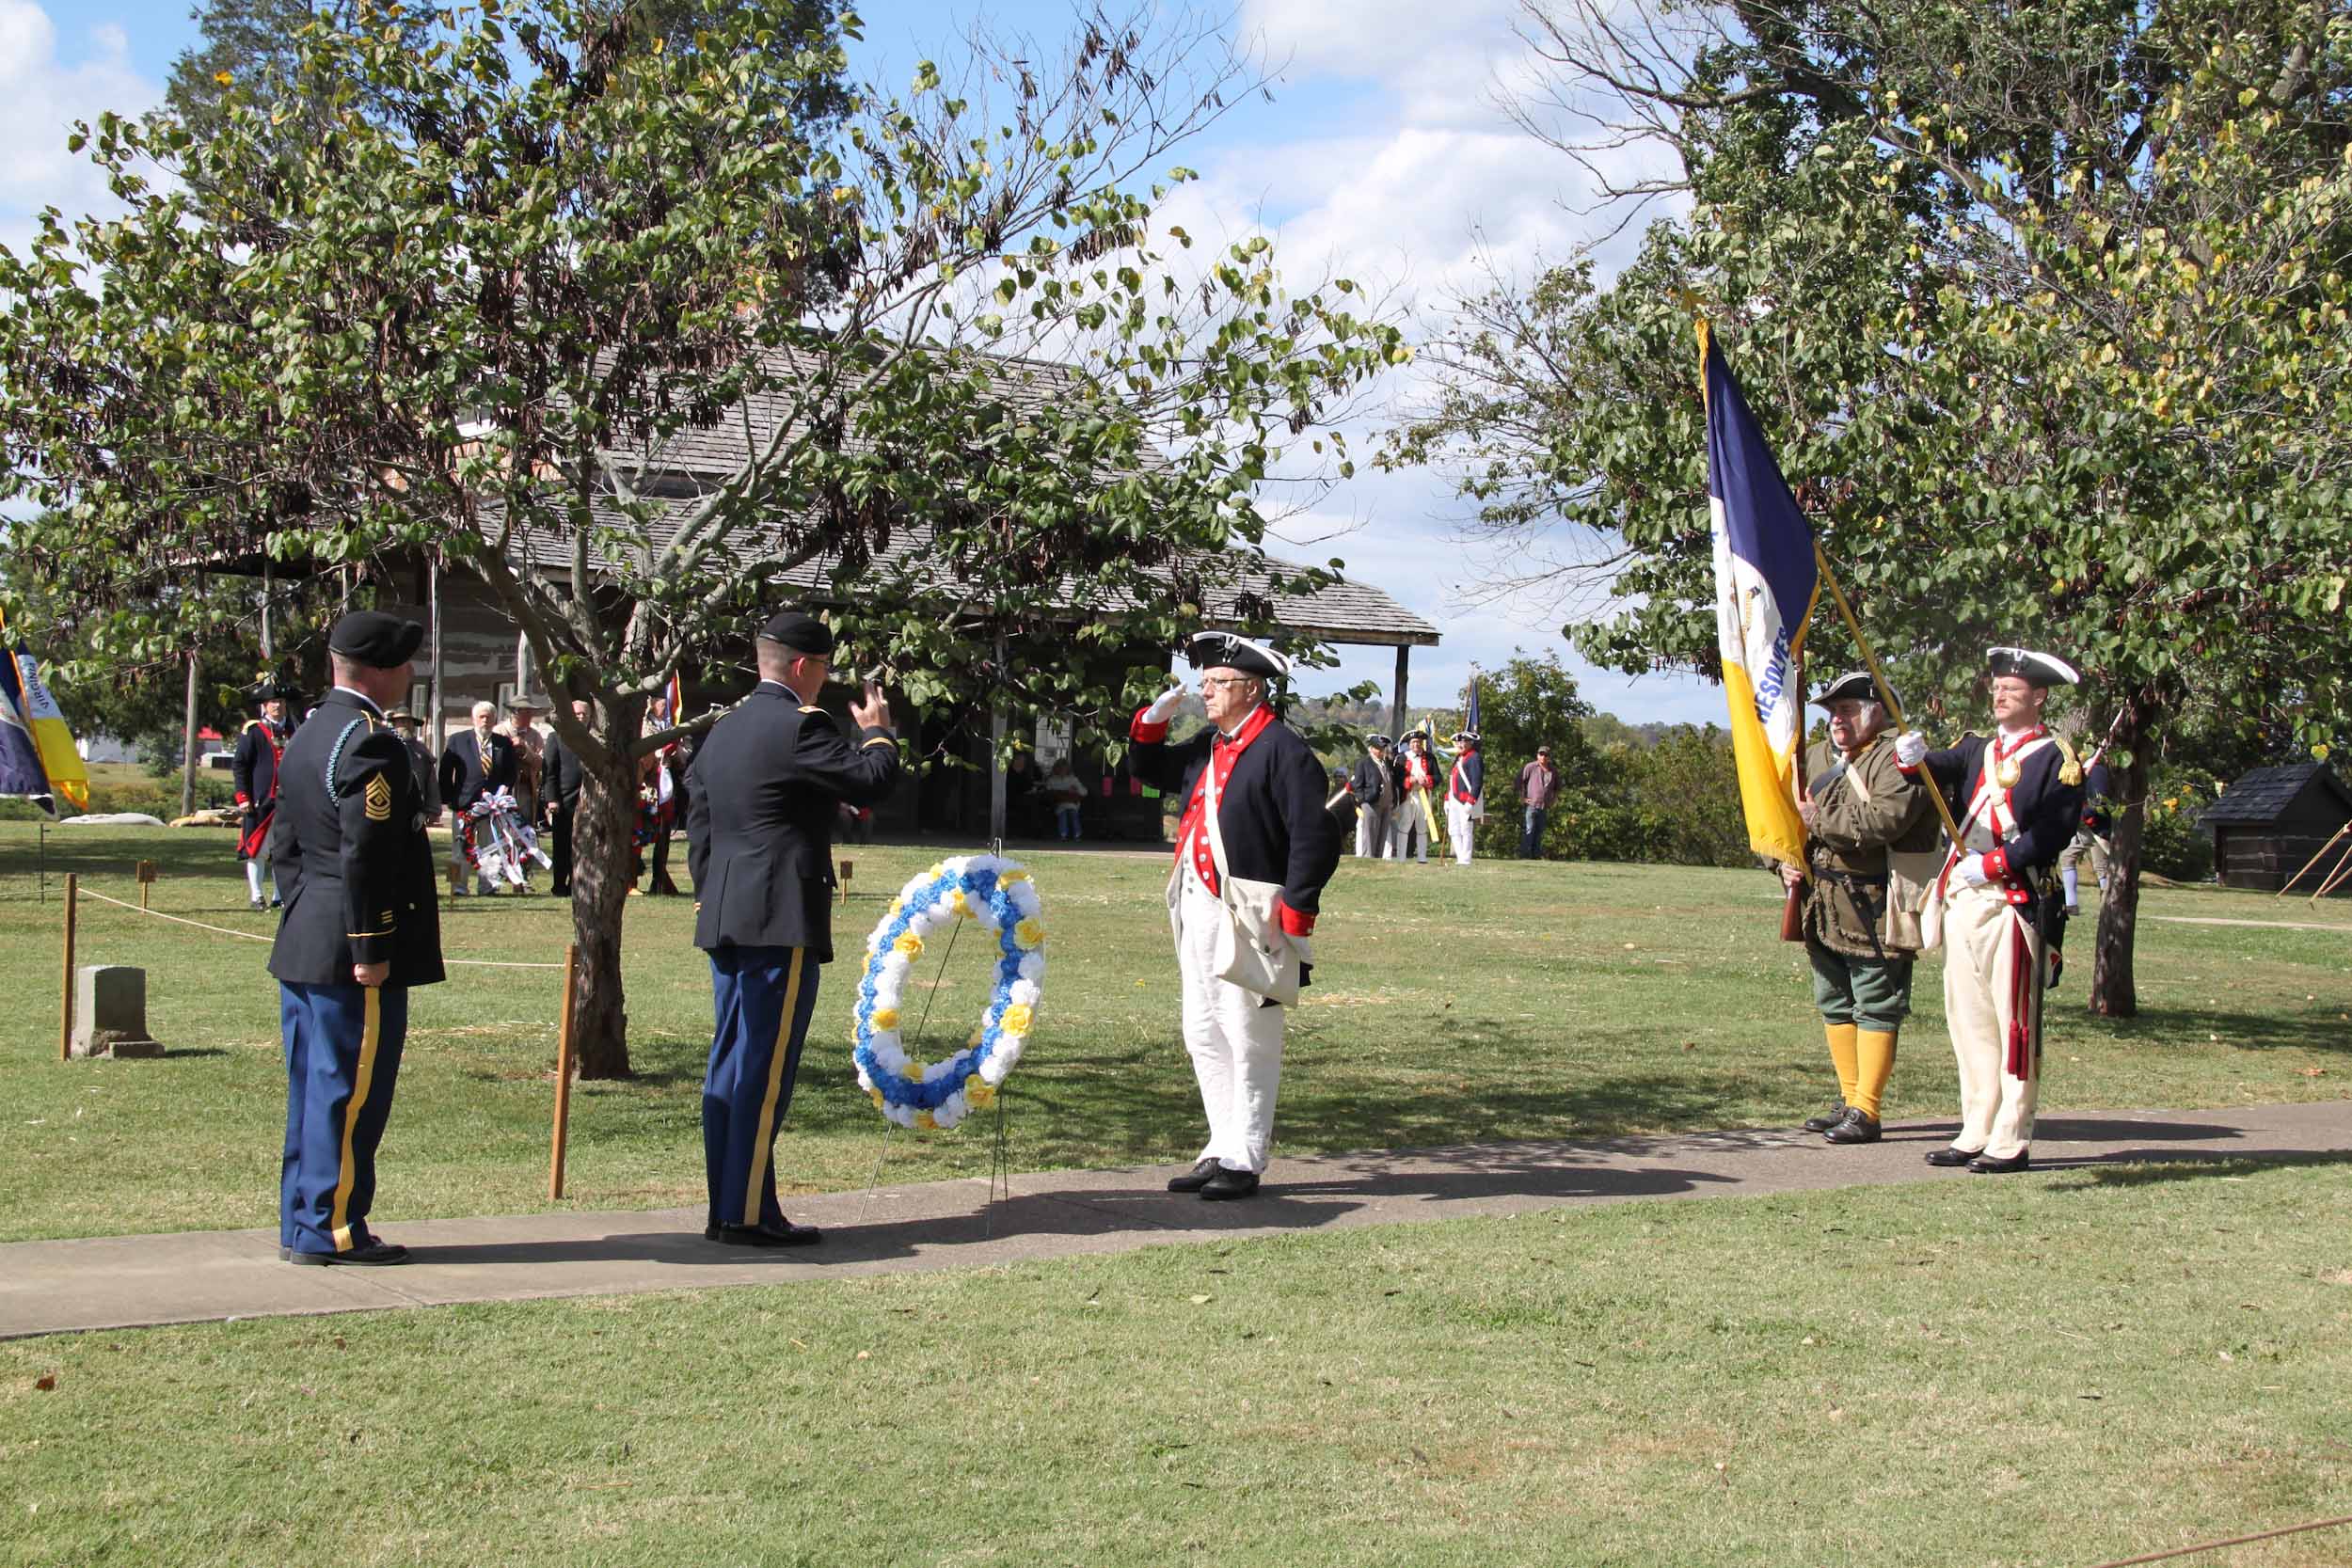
(601, 828)
(2112, 994)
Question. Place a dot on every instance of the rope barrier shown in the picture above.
(2233, 1541)
(248, 936)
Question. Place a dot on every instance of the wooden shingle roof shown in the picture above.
(2268, 794)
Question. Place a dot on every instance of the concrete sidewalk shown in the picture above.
(131, 1281)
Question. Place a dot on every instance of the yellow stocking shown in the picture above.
(1874, 1052)
(1842, 1050)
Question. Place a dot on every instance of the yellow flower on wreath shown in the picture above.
(1012, 877)
(1028, 934)
(910, 945)
(885, 1018)
(978, 1094)
(961, 905)
(1016, 1018)
(927, 1122)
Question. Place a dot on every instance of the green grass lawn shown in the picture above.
(2061, 1368)
(1500, 1001)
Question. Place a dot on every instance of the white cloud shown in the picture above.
(41, 97)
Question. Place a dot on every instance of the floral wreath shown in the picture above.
(1000, 896)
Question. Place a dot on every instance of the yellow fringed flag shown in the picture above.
(37, 756)
(1766, 582)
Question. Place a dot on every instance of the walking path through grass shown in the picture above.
(187, 1276)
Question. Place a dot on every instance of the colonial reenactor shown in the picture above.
(361, 928)
(1860, 920)
(2017, 797)
(409, 728)
(476, 762)
(1417, 788)
(562, 780)
(259, 746)
(1374, 783)
(1465, 794)
(768, 782)
(2090, 840)
(1253, 848)
(530, 749)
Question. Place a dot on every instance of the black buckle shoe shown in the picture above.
(367, 1254)
(769, 1236)
(1858, 1128)
(1828, 1118)
(1195, 1178)
(1227, 1186)
(1953, 1156)
(2022, 1159)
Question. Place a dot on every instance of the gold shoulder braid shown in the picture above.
(2069, 770)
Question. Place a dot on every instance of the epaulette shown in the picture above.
(2069, 770)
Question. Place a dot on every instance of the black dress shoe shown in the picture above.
(1195, 1178)
(1227, 1186)
(2022, 1159)
(368, 1255)
(1953, 1156)
(1857, 1128)
(1828, 1118)
(710, 1231)
(766, 1235)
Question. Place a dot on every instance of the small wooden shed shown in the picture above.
(2270, 823)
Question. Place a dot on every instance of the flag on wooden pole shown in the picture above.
(37, 756)
(1765, 586)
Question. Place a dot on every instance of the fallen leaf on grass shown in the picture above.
(2313, 1072)
(865, 1356)
(1202, 1301)
(46, 1382)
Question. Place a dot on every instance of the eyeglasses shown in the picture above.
(1208, 681)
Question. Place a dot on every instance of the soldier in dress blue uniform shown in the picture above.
(360, 930)
(259, 746)
(2017, 795)
(1270, 821)
(769, 782)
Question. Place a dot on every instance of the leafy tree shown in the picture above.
(2045, 309)
(478, 319)
(1526, 703)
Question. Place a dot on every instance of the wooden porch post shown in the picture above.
(1396, 700)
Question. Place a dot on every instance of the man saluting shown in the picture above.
(1253, 815)
(361, 928)
(767, 784)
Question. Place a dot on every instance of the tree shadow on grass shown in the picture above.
(2319, 1029)
(2149, 1167)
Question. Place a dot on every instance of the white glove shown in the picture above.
(1164, 706)
(1971, 872)
(1910, 748)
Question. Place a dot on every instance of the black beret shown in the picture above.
(374, 638)
(2030, 667)
(1854, 686)
(1212, 650)
(802, 633)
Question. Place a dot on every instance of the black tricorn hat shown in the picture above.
(1379, 742)
(270, 689)
(1854, 685)
(1212, 650)
(2026, 665)
(800, 633)
(376, 640)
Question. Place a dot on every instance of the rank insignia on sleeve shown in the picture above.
(377, 799)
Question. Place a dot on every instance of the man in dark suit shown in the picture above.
(259, 747)
(362, 927)
(769, 782)
(2016, 795)
(474, 763)
(560, 788)
(1266, 825)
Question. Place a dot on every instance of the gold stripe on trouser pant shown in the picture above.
(1980, 954)
(372, 1032)
(754, 1188)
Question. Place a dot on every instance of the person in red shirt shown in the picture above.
(1253, 848)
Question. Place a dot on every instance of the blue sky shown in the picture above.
(1383, 157)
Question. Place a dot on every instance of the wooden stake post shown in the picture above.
(2314, 861)
(848, 868)
(65, 1009)
(564, 1071)
(146, 873)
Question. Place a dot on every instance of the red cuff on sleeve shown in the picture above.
(1141, 731)
(1997, 862)
(1906, 772)
(242, 798)
(1294, 923)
